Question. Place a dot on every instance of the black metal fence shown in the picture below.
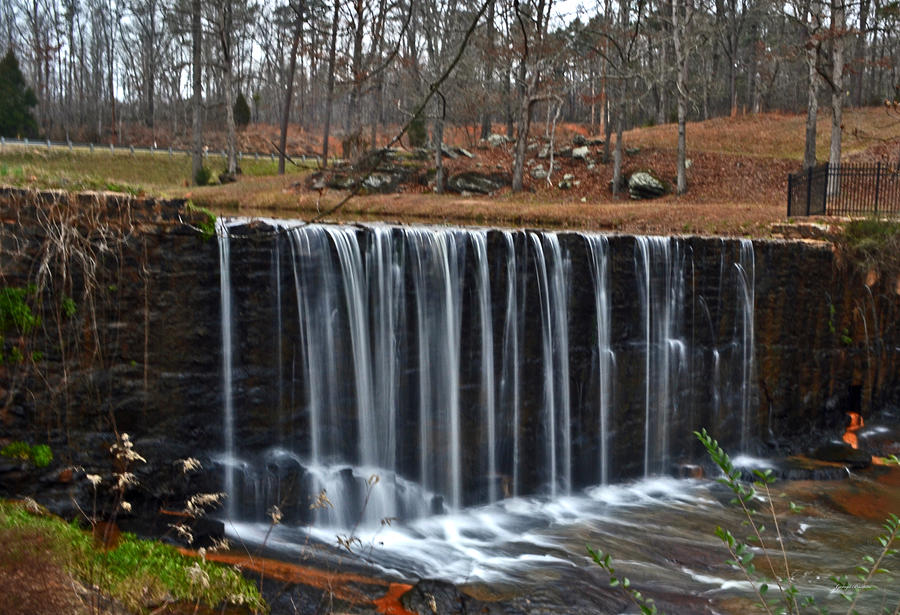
(845, 190)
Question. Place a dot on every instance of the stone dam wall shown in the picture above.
(129, 299)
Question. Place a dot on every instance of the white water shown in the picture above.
(746, 269)
(226, 323)
(598, 248)
(509, 383)
(488, 393)
(441, 357)
(660, 270)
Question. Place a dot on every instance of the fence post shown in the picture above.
(809, 174)
(877, 184)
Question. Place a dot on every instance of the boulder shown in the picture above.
(545, 152)
(642, 185)
(567, 181)
(581, 153)
(539, 172)
(449, 152)
(464, 152)
(579, 140)
(381, 182)
(477, 183)
(495, 140)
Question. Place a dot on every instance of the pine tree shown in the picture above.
(241, 111)
(16, 100)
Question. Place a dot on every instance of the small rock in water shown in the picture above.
(839, 452)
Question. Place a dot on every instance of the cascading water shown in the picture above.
(458, 367)
(226, 323)
(660, 269)
(598, 250)
(552, 287)
(746, 271)
(488, 399)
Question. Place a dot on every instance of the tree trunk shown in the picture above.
(196, 99)
(812, 107)
(438, 153)
(289, 93)
(354, 115)
(329, 99)
(679, 25)
(228, 86)
(488, 76)
(523, 128)
(617, 153)
(837, 92)
(861, 51)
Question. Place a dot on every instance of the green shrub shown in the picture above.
(207, 225)
(241, 111)
(38, 455)
(417, 133)
(68, 307)
(15, 314)
(203, 176)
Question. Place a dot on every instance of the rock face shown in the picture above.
(642, 185)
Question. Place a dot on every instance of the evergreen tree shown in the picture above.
(16, 100)
(241, 111)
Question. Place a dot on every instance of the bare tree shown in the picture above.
(533, 21)
(197, 81)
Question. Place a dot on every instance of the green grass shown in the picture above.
(118, 171)
(136, 573)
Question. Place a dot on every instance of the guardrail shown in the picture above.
(131, 149)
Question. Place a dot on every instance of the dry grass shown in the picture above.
(736, 184)
(775, 135)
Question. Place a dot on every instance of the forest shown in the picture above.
(351, 71)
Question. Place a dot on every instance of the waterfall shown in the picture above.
(509, 383)
(433, 369)
(226, 323)
(437, 257)
(746, 269)
(479, 241)
(552, 288)
(598, 250)
(661, 275)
